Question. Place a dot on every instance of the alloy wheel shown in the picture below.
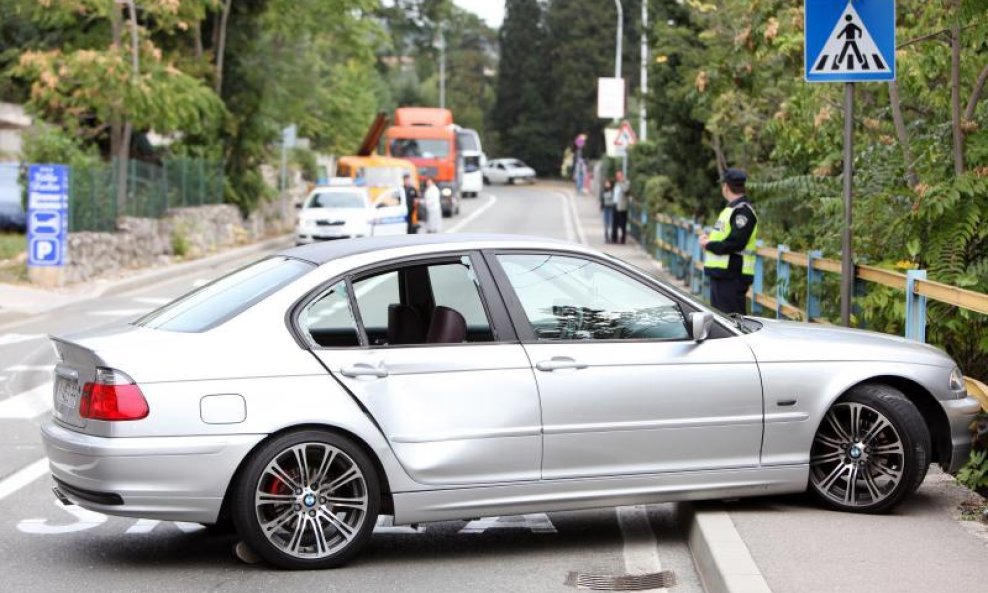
(858, 456)
(311, 500)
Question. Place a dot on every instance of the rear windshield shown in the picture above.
(227, 297)
(336, 199)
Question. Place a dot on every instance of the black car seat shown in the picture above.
(448, 327)
(405, 326)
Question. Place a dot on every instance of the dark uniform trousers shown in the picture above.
(727, 293)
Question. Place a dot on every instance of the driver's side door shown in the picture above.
(389, 214)
(624, 390)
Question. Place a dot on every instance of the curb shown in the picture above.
(142, 279)
(722, 559)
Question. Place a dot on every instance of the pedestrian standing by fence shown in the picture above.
(433, 207)
(620, 223)
(607, 205)
(730, 247)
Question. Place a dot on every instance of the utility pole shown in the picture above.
(619, 37)
(642, 111)
(442, 68)
(847, 246)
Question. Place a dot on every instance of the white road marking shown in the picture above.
(119, 312)
(156, 301)
(148, 525)
(386, 525)
(537, 522)
(641, 551)
(27, 368)
(7, 339)
(27, 404)
(84, 519)
(473, 215)
(23, 477)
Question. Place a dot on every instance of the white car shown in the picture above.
(343, 212)
(508, 171)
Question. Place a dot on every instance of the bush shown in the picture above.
(974, 475)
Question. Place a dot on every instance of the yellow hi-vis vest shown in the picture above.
(722, 229)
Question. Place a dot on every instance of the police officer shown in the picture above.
(411, 203)
(730, 247)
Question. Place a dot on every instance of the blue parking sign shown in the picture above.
(849, 40)
(47, 215)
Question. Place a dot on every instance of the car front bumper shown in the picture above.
(960, 414)
(166, 478)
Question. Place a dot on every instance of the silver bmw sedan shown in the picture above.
(445, 377)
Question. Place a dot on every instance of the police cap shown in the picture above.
(734, 177)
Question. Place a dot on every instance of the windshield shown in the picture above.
(467, 141)
(227, 297)
(515, 163)
(420, 147)
(336, 199)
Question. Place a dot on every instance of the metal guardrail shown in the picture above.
(676, 244)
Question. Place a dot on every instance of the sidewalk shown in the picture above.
(799, 547)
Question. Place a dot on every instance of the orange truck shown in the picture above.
(426, 136)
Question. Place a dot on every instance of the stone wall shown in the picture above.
(184, 233)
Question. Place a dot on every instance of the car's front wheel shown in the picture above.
(872, 450)
(307, 500)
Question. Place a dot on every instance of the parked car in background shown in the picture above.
(508, 171)
(473, 177)
(344, 210)
(12, 217)
(439, 377)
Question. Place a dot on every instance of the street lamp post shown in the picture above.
(442, 68)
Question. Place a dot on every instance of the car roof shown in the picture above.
(328, 189)
(320, 253)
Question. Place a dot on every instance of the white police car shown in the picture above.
(343, 211)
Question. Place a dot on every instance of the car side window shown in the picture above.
(328, 322)
(436, 303)
(569, 298)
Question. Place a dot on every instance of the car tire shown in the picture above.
(511, 181)
(282, 506)
(871, 451)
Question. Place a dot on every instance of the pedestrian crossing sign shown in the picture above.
(849, 40)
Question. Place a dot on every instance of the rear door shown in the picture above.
(389, 216)
(458, 404)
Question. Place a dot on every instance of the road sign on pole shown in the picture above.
(610, 98)
(849, 41)
(852, 41)
(47, 215)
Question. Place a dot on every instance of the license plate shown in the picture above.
(67, 394)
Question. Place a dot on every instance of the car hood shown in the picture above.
(791, 341)
(332, 213)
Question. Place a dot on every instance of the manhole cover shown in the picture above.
(622, 582)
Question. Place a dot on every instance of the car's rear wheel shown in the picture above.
(872, 450)
(307, 500)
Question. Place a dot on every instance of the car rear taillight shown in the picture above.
(112, 396)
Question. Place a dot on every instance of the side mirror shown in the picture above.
(699, 325)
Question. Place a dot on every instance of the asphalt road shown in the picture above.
(46, 547)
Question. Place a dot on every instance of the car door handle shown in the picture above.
(558, 363)
(363, 370)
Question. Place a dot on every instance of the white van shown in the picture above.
(473, 176)
(343, 212)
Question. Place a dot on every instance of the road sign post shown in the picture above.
(47, 222)
(849, 42)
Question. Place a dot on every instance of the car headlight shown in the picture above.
(447, 192)
(957, 381)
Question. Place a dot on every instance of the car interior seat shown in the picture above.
(405, 326)
(448, 327)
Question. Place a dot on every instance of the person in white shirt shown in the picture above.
(433, 207)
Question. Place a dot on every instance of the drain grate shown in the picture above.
(623, 582)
